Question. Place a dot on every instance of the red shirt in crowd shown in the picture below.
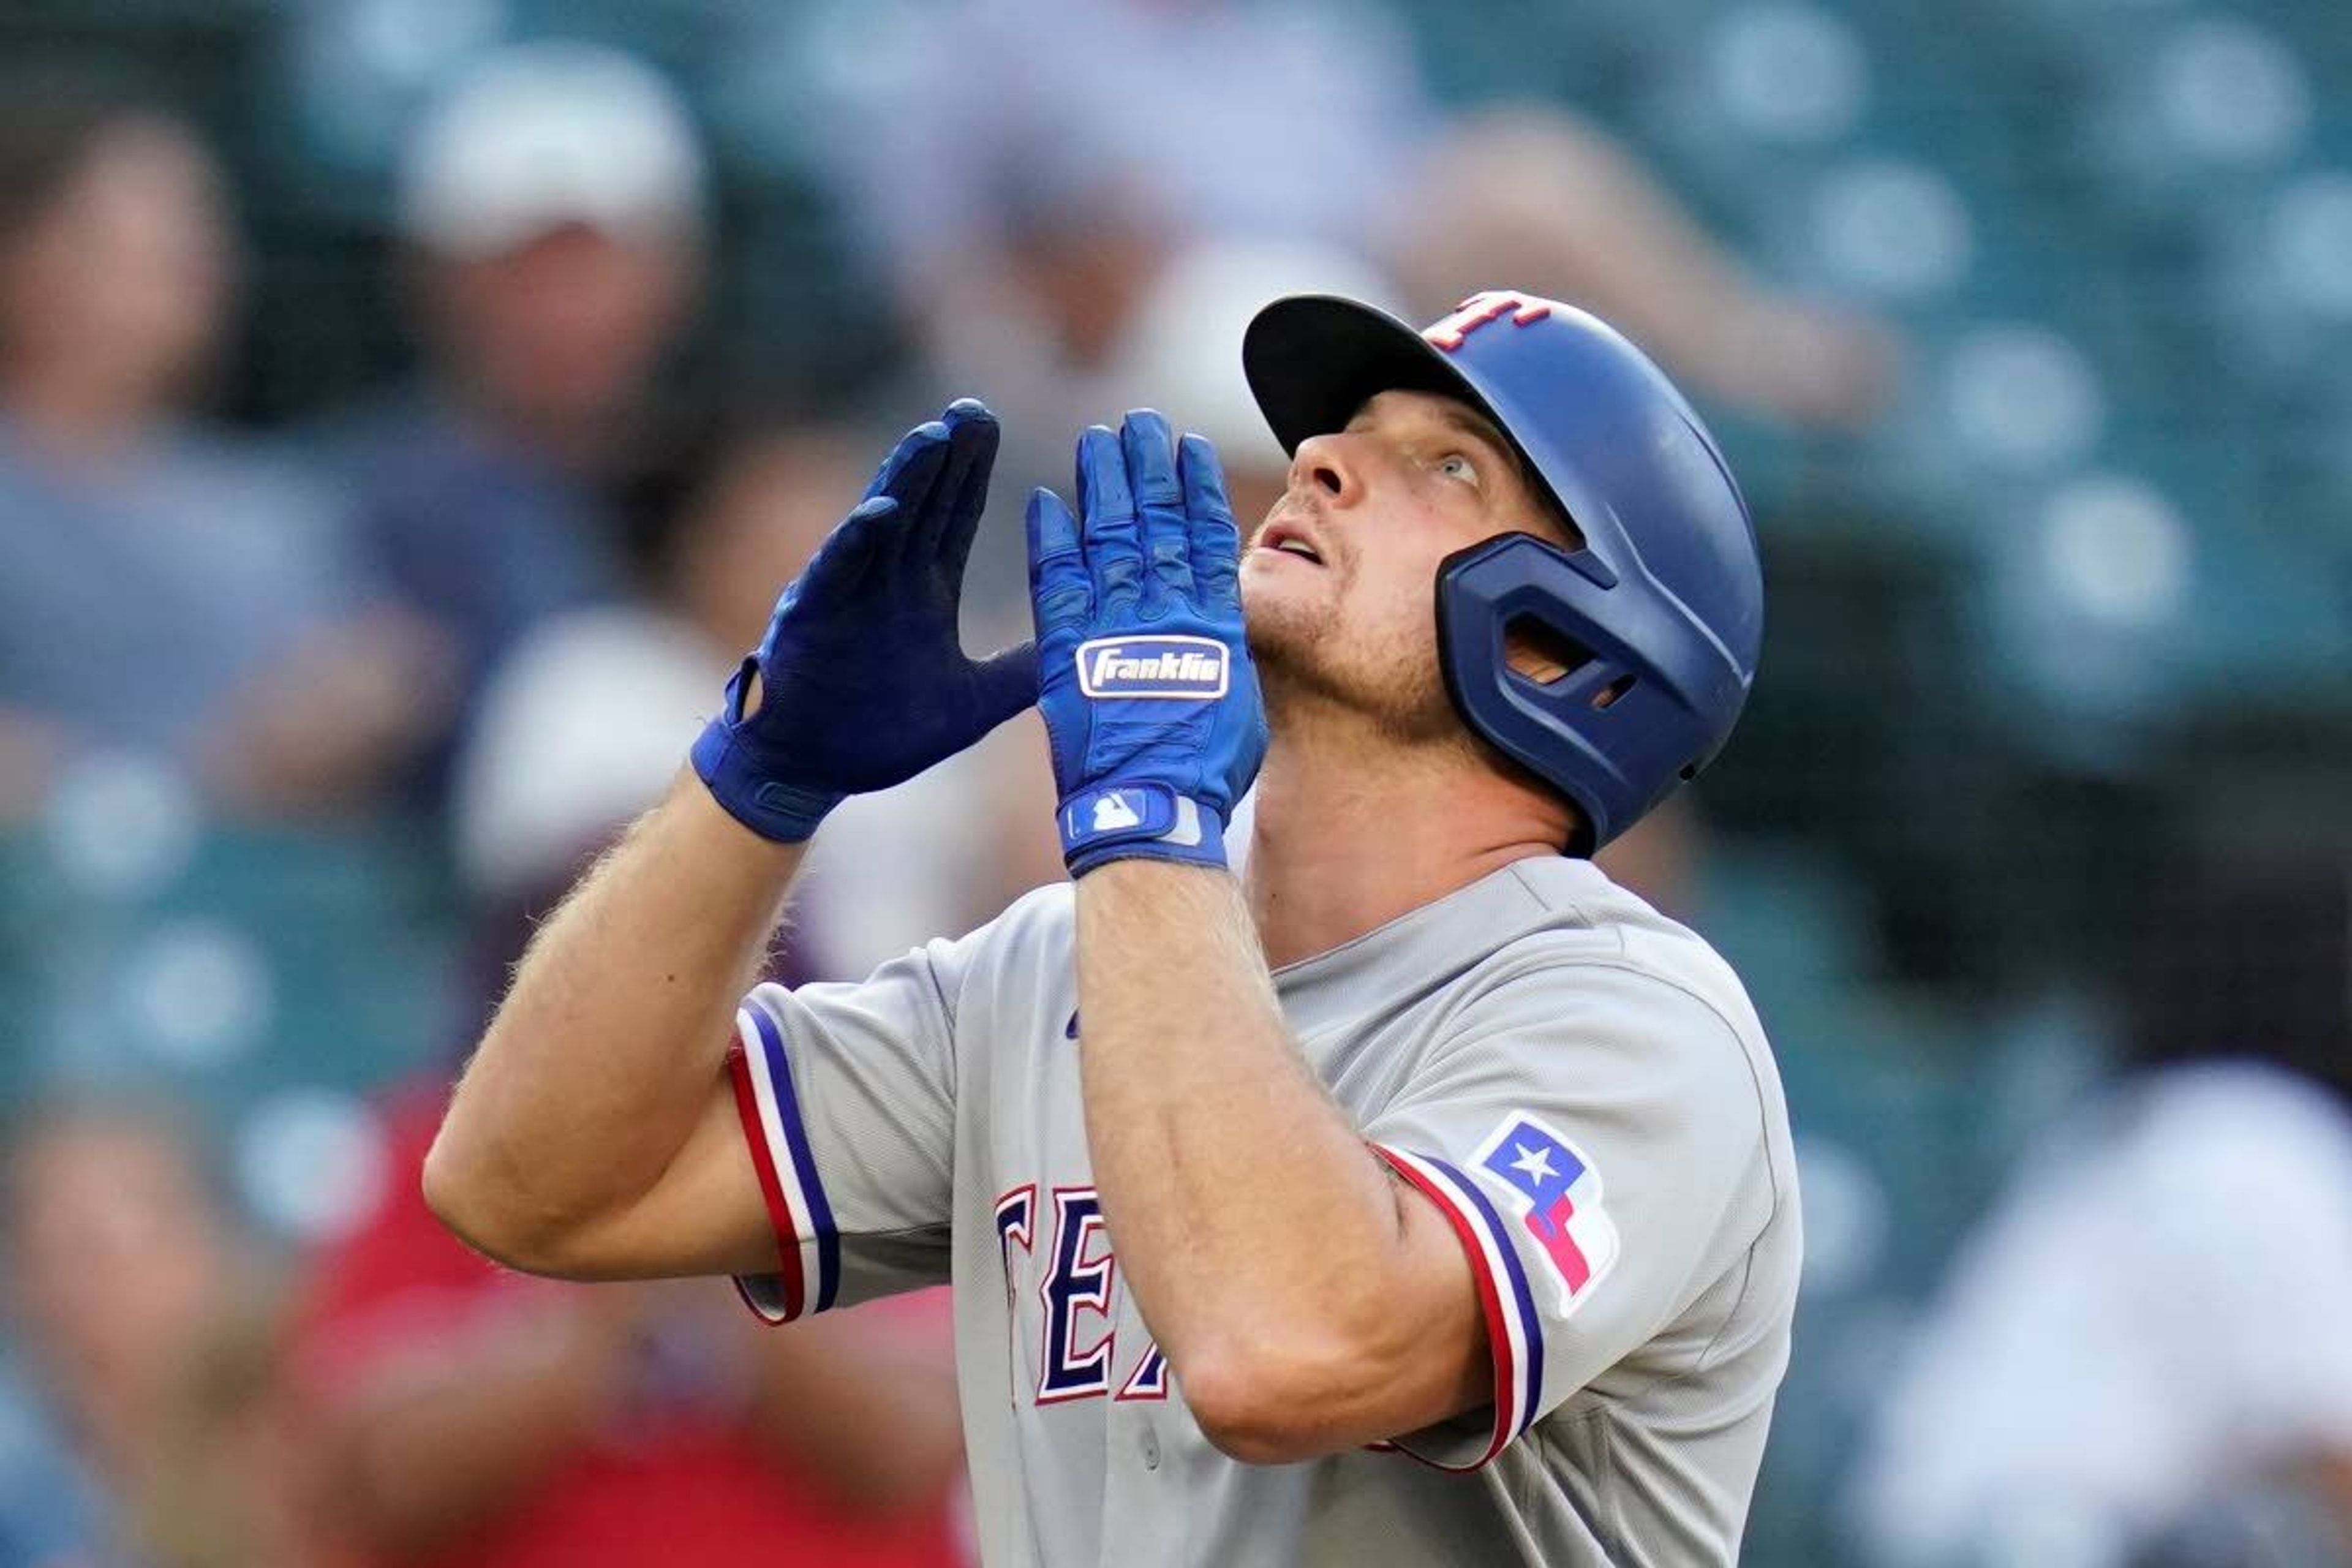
(675, 1477)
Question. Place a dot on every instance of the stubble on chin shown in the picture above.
(1392, 685)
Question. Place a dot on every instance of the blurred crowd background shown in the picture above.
(410, 408)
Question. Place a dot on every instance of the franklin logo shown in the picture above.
(1184, 669)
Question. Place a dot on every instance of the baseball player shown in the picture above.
(1420, 1198)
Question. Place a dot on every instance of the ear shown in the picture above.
(1540, 653)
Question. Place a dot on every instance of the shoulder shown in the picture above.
(1022, 947)
(1638, 1008)
(953, 1004)
(1603, 954)
(1015, 978)
(1038, 928)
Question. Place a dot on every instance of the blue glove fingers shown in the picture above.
(918, 484)
(926, 520)
(910, 476)
(1149, 448)
(964, 495)
(907, 473)
(1112, 537)
(1215, 539)
(839, 565)
(1060, 592)
(1004, 683)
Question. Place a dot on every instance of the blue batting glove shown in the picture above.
(863, 680)
(1144, 679)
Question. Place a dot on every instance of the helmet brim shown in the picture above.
(1314, 359)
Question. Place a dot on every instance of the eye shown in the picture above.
(1455, 466)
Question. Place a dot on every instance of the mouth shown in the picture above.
(1290, 539)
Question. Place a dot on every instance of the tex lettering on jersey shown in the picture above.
(1076, 1345)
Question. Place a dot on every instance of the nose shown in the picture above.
(1332, 467)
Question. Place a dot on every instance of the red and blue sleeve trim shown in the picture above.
(809, 1247)
(1514, 1331)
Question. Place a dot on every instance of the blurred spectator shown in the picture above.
(1534, 194)
(1179, 350)
(144, 1333)
(551, 208)
(1663, 858)
(162, 588)
(1030, 165)
(583, 726)
(473, 1416)
(2145, 1348)
(584, 722)
(468, 1416)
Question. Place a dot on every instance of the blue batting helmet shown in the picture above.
(1664, 600)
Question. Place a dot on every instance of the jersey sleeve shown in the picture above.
(846, 1094)
(1597, 1137)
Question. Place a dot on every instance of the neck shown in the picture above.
(575, 440)
(80, 419)
(1352, 830)
(114, 1415)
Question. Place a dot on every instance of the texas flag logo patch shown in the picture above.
(1556, 1192)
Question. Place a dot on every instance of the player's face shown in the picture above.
(1337, 583)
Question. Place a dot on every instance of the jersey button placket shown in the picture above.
(1150, 1446)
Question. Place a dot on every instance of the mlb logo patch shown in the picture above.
(1556, 1192)
(1185, 669)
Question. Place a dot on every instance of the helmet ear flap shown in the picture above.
(1565, 677)
(1488, 645)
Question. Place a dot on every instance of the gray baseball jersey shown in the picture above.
(1577, 1082)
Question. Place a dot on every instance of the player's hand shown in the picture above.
(862, 680)
(1145, 682)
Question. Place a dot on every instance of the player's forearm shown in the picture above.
(1254, 1226)
(604, 1056)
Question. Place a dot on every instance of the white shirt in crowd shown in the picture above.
(2159, 1312)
